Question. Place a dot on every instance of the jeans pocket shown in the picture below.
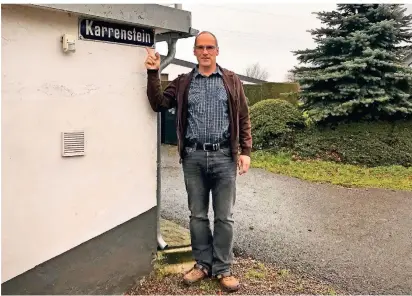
(226, 152)
(189, 151)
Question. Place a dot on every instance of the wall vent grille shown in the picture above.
(73, 143)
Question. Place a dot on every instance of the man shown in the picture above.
(212, 124)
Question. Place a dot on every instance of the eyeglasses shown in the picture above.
(207, 47)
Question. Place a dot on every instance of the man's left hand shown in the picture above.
(243, 164)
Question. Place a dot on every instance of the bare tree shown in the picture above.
(290, 76)
(256, 71)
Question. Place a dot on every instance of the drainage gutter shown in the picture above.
(171, 38)
(163, 64)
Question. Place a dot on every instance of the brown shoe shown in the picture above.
(229, 283)
(196, 274)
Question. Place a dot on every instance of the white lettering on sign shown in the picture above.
(93, 29)
(89, 27)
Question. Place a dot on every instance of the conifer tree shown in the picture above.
(356, 70)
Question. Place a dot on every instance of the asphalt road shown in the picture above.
(357, 239)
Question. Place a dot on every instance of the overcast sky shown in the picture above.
(278, 28)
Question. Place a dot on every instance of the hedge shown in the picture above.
(259, 92)
(273, 123)
(364, 143)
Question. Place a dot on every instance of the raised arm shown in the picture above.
(159, 100)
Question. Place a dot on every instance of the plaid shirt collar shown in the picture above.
(217, 71)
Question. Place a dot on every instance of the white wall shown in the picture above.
(175, 70)
(50, 204)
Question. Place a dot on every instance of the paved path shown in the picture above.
(359, 239)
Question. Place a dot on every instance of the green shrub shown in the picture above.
(288, 97)
(274, 122)
(259, 92)
(365, 143)
(253, 92)
(291, 97)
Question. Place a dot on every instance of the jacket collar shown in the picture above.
(217, 71)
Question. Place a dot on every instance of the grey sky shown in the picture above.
(278, 28)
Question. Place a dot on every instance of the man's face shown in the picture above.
(206, 50)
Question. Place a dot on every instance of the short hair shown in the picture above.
(207, 32)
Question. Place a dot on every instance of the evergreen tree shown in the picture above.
(356, 70)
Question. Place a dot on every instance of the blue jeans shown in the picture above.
(215, 172)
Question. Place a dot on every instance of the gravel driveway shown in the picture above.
(358, 239)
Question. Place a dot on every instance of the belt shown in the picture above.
(209, 146)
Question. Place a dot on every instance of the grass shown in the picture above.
(284, 272)
(256, 272)
(208, 286)
(158, 265)
(390, 177)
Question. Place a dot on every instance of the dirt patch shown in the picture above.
(255, 277)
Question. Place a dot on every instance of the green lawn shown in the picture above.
(391, 177)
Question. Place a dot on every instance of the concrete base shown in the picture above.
(178, 268)
(108, 264)
(178, 258)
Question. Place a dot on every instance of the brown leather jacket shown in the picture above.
(176, 95)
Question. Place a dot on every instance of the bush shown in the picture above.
(274, 122)
(365, 143)
(291, 97)
(260, 92)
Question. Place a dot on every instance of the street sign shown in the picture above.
(97, 30)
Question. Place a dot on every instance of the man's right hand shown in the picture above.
(153, 59)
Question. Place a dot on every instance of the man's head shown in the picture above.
(206, 49)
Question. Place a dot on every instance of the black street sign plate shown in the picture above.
(90, 29)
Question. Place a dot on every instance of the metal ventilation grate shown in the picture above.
(73, 143)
